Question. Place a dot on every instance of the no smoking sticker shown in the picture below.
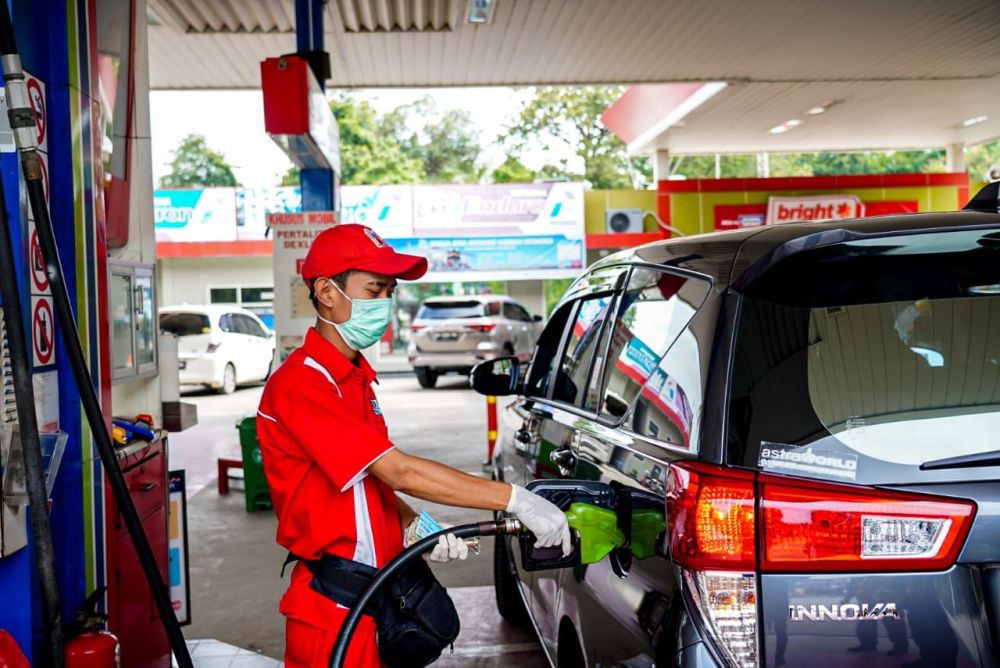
(43, 327)
(36, 96)
(39, 277)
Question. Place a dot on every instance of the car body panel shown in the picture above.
(641, 615)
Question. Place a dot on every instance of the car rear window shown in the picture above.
(447, 310)
(860, 362)
(185, 324)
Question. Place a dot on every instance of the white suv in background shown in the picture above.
(218, 345)
(453, 334)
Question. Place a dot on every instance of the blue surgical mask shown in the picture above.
(368, 322)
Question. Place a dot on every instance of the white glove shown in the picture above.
(541, 517)
(449, 547)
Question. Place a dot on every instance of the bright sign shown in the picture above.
(813, 208)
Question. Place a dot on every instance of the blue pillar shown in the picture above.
(317, 184)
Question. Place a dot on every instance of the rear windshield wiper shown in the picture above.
(976, 460)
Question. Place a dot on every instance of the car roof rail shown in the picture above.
(986, 200)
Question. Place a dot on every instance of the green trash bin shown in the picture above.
(258, 496)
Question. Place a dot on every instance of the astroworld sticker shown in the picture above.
(806, 460)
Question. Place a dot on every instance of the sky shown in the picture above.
(233, 124)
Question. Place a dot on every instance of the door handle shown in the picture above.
(564, 459)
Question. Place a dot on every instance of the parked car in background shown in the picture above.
(219, 346)
(453, 334)
(804, 417)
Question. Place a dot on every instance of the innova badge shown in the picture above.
(848, 612)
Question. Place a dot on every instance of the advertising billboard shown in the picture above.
(467, 233)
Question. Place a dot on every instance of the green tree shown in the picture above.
(369, 156)
(979, 159)
(445, 143)
(291, 177)
(195, 165)
(867, 162)
(572, 117)
(512, 170)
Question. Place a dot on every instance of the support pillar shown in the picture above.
(318, 185)
(661, 165)
(955, 157)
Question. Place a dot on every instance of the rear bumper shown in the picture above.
(201, 370)
(449, 360)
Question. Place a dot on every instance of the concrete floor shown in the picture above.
(235, 562)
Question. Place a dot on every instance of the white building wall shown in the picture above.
(188, 280)
(530, 293)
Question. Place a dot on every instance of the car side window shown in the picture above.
(543, 361)
(578, 355)
(250, 326)
(227, 323)
(520, 313)
(654, 310)
(512, 311)
(492, 308)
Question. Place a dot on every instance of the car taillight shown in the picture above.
(826, 527)
(711, 538)
(212, 347)
(481, 328)
(711, 513)
(720, 520)
(417, 328)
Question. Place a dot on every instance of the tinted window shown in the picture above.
(228, 324)
(493, 308)
(573, 379)
(454, 309)
(513, 311)
(184, 324)
(655, 308)
(543, 362)
(222, 296)
(248, 325)
(895, 362)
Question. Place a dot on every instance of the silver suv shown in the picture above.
(453, 334)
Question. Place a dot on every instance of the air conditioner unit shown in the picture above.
(618, 221)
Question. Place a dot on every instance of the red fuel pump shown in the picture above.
(93, 649)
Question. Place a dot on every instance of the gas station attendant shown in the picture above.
(331, 468)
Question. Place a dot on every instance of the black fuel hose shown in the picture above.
(22, 124)
(24, 396)
(505, 526)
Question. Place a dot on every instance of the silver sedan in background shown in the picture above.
(453, 334)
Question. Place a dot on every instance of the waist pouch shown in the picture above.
(416, 618)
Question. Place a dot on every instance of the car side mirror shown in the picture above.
(537, 318)
(497, 377)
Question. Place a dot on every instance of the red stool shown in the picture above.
(224, 465)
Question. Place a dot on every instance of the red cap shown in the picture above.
(357, 247)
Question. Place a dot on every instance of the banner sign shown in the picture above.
(195, 215)
(495, 232)
(813, 208)
(292, 235)
(177, 547)
(253, 205)
(739, 216)
(386, 209)
(507, 231)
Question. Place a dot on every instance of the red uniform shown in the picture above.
(320, 428)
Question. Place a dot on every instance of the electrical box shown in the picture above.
(623, 221)
(13, 489)
(297, 115)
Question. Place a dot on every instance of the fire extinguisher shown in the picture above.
(87, 645)
(93, 649)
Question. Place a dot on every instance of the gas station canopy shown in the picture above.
(891, 74)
